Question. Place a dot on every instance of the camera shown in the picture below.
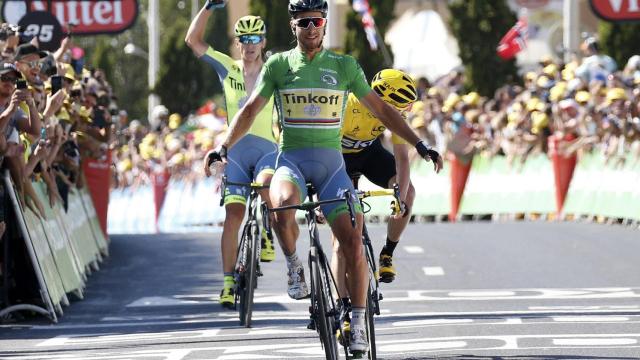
(21, 84)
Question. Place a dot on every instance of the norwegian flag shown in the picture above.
(514, 41)
(369, 24)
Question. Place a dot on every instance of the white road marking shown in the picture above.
(413, 249)
(594, 342)
(433, 271)
(481, 294)
(602, 318)
(431, 322)
(100, 338)
(436, 345)
(162, 301)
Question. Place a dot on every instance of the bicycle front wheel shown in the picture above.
(324, 318)
(250, 275)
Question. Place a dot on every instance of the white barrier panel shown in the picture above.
(191, 208)
(131, 211)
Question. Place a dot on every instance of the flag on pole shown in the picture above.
(369, 24)
(514, 41)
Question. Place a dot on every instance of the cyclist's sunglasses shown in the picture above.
(8, 78)
(250, 39)
(316, 21)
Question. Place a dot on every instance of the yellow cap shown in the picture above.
(530, 76)
(539, 120)
(174, 121)
(557, 92)
(472, 98)
(615, 94)
(583, 96)
(543, 81)
(567, 74)
(69, 73)
(550, 70)
(535, 104)
(452, 100)
(433, 91)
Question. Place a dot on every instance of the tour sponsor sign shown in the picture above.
(616, 10)
(86, 17)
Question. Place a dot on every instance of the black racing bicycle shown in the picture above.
(373, 291)
(247, 268)
(324, 313)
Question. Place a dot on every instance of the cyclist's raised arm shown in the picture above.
(195, 34)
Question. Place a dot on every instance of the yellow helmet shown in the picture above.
(395, 87)
(250, 25)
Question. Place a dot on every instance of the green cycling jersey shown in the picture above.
(235, 94)
(311, 95)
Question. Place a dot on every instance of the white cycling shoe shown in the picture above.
(358, 339)
(297, 286)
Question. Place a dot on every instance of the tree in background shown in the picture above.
(478, 25)
(275, 15)
(619, 40)
(356, 43)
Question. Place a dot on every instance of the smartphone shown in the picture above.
(98, 118)
(21, 84)
(56, 83)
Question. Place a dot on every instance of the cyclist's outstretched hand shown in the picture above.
(213, 156)
(215, 4)
(427, 153)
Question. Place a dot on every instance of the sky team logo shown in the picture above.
(329, 79)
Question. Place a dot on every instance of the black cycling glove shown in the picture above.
(425, 150)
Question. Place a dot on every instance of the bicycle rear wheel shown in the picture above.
(325, 320)
(250, 275)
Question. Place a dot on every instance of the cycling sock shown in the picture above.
(389, 247)
(357, 316)
(292, 261)
(228, 280)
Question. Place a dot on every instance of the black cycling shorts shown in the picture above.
(374, 162)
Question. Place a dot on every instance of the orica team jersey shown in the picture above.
(361, 128)
(311, 95)
(235, 94)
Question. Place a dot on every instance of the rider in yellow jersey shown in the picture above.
(253, 158)
(364, 154)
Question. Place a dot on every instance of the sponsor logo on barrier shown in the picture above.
(616, 10)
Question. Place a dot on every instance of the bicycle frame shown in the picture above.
(247, 268)
(324, 313)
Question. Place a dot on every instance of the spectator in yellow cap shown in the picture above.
(175, 120)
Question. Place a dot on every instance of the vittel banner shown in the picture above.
(86, 17)
(616, 10)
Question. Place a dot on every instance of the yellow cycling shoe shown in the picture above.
(387, 271)
(228, 297)
(267, 252)
(346, 328)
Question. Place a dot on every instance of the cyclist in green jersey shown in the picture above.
(311, 85)
(254, 157)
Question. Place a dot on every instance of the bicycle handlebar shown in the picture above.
(396, 206)
(311, 205)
